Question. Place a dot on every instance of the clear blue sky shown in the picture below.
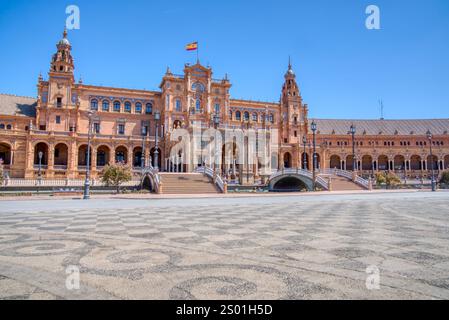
(343, 69)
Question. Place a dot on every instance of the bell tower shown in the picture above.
(293, 112)
(58, 96)
(62, 61)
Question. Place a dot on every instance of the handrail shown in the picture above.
(349, 175)
(58, 182)
(153, 173)
(214, 176)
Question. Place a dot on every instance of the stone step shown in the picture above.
(187, 183)
(342, 183)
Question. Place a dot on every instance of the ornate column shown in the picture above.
(72, 160)
(112, 155)
(51, 160)
(93, 161)
(130, 157)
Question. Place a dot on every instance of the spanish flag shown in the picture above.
(192, 46)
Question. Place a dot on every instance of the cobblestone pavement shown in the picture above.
(310, 247)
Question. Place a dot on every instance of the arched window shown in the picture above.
(138, 107)
(246, 116)
(105, 105)
(94, 104)
(8, 127)
(255, 117)
(198, 105)
(217, 108)
(271, 118)
(238, 116)
(149, 108)
(230, 114)
(178, 105)
(198, 86)
(117, 106)
(127, 106)
(2, 126)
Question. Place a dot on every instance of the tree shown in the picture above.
(445, 177)
(116, 174)
(392, 180)
(380, 178)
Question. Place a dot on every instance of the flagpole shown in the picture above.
(197, 52)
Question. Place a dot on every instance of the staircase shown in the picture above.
(187, 183)
(342, 183)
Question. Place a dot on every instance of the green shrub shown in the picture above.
(116, 174)
(380, 178)
(392, 180)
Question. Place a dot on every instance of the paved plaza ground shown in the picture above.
(275, 247)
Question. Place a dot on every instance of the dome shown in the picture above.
(64, 42)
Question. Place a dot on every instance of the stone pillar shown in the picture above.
(51, 161)
(147, 156)
(93, 161)
(130, 157)
(72, 160)
(112, 156)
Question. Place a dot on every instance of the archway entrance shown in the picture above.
(5, 154)
(335, 162)
(383, 162)
(367, 163)
(432, 162)
(121, 155)
(102, 156)
(399, 162)
(137, 157)
(61, 155)
(287, 160)
(82, 156)
(41, 149)
(415, 163)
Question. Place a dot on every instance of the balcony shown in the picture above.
(43, 167)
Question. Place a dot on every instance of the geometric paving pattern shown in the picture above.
(239, 249)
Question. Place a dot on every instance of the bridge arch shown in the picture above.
(294, 180)
(289, 183)
(150, 180)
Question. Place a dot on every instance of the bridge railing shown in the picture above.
(60, 183)
(349, 175)
(214, 176)
(154, 174)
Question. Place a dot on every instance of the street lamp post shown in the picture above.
(429, 136)
(157, 117)
(354, 162)
(314, 127)
(216, 123)
(39, 172)
(304, 157)
(86, 194)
